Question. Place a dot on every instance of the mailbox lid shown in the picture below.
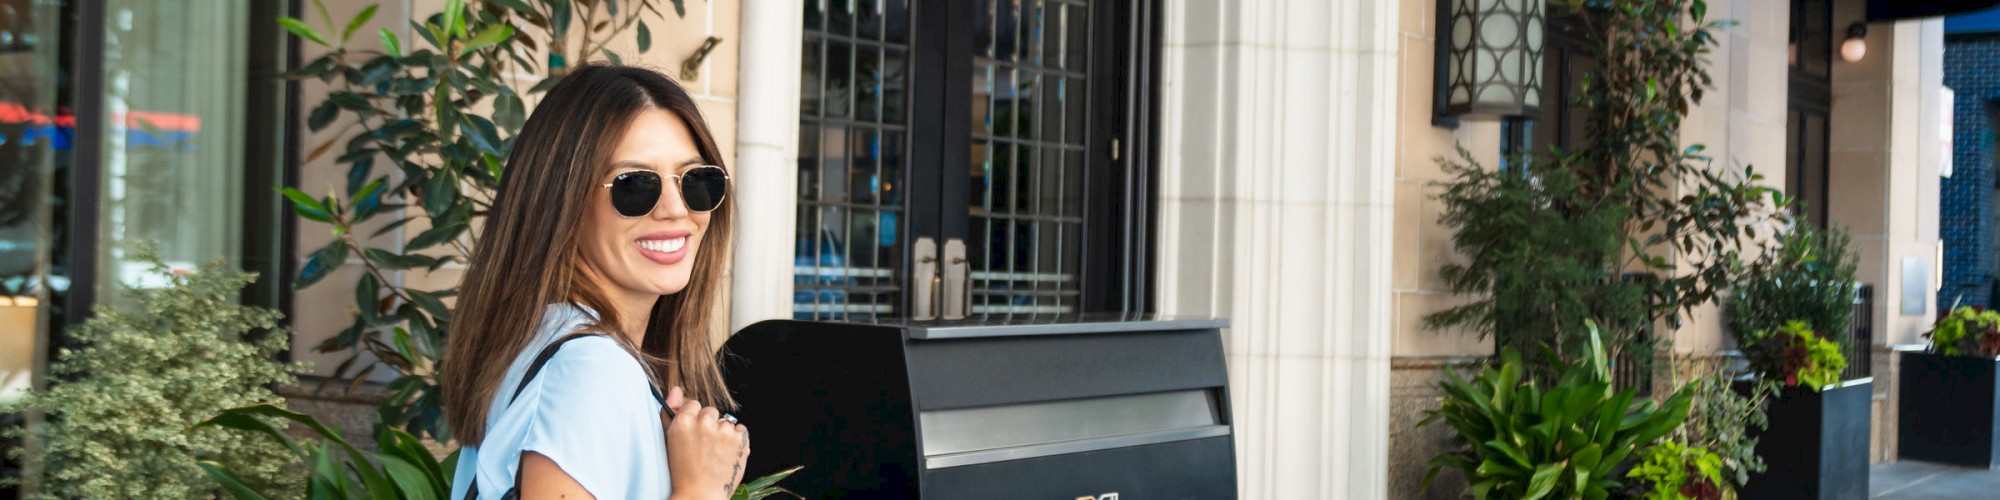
(1195, 469)
(987, 369)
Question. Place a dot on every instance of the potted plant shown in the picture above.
(1949, 400)
(1790, 319)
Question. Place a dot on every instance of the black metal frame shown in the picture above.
(1809, 94)
(271, 103)
(1859, 347)
(1118, 225)
(86, 171)
(262, 208)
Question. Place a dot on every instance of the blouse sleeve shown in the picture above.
(591, 412)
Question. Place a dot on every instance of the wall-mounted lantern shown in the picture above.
(1489, 59)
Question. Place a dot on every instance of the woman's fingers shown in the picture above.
(689, 413)
(674, 397)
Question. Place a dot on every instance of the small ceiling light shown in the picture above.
(1856, 44)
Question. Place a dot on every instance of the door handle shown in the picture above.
(956, 285)
(924, 281)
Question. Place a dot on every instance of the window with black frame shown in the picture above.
(129, 122)
(1808, 105)
(1565, 66)
(1009, 131)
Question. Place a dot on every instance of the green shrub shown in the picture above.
(1793, 354)
(1722, 418)
(119, 415)
(1967, 331)
(1680, 472)
(1516, 440)
(1810, 279)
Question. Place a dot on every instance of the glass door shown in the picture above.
(1030, 118)
(981, 157)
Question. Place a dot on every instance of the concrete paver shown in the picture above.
(1911, 480)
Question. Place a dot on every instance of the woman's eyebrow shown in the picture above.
(639, 165)
(630, 165)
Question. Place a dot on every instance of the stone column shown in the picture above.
(1278, 122)
(767, 138)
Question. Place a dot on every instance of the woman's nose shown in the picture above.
(671, 205)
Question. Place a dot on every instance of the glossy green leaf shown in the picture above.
(645, 38)
(306, 206)
(358, 21)
(234, 485)
(1544, 481)
(322, 115)
(371, 189)
(302, 30)
(436, 236)
(454, 18)
(489, 37)
(410, 481)
(391, 43)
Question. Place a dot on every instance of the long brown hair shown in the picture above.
(528, 256)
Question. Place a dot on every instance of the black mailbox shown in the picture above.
(988, 409)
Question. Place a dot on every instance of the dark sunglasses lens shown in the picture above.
(704, 188)
(634, 194)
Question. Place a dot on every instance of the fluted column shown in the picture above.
(1276, 192)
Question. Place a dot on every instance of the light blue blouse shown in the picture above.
(590, 410)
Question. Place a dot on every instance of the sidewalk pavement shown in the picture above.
(1910, 480)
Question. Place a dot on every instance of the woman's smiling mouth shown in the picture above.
(664, 248)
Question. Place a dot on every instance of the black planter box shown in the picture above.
(1816, 446)
(1947, 409)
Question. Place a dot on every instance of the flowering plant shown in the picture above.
(1967, 331)
(1795, 355)
(1680, 472)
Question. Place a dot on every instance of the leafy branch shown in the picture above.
(419, 108)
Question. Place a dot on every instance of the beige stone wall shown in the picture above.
(1422, 245)
(1883, 175)
(324, 309)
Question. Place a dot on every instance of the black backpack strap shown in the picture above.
(535, 368)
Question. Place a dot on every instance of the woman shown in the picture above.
(610, 226)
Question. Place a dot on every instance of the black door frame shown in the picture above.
(270, 53)
(1121, 193)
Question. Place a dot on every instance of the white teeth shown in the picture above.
(664, 246)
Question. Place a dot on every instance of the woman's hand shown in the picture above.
(705, 454)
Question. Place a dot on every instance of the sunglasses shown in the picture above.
(635, 193)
